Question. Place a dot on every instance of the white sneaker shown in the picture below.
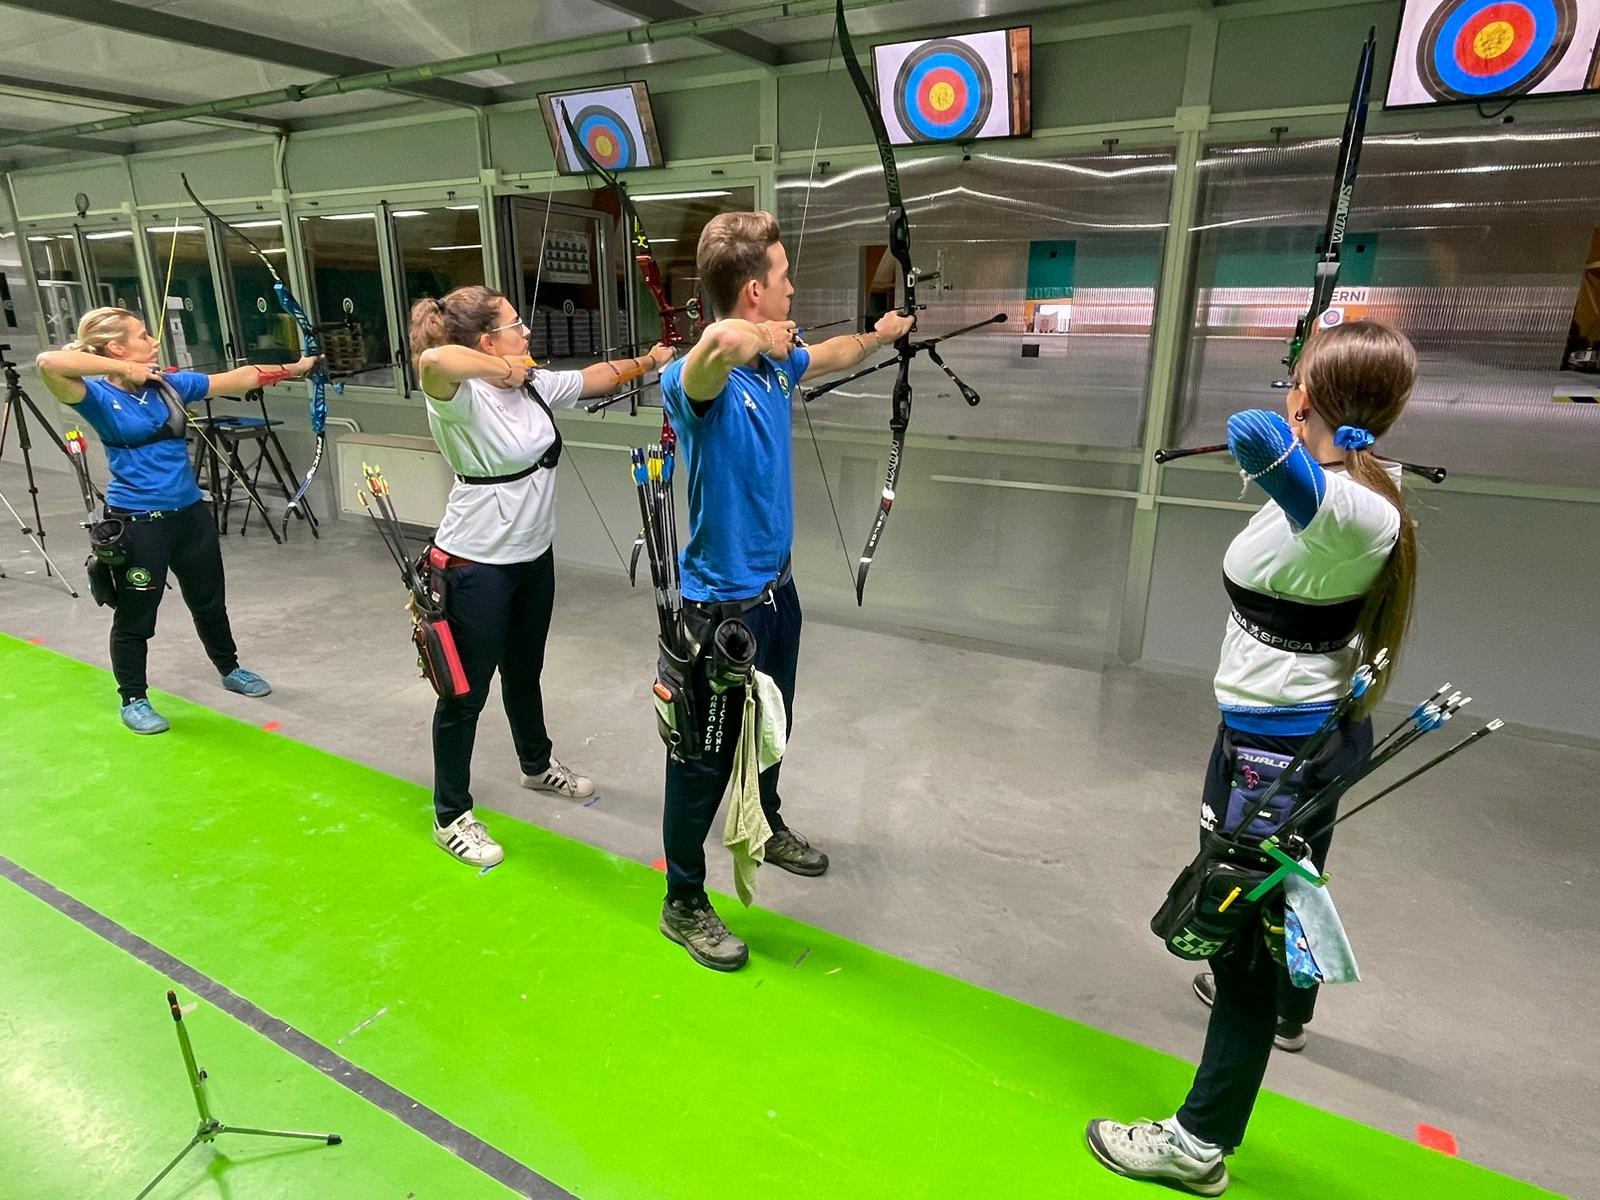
(468, 840)
(561, 781)
(1149, 1150)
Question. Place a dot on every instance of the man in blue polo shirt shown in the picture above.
(730, 400)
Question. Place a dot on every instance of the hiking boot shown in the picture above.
(698, 929)
(468, 840)
(787, 849)
(138, 716)
(1288, 1037)
(560, 780)
(1150, 1150)
(246, 683)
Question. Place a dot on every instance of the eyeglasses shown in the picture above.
(519, 323)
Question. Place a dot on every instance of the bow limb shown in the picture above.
(900, 250)
(311, 347)
(1326, 279)
(643, 254)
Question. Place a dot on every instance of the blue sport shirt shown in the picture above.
(153, 478)
(741, 477)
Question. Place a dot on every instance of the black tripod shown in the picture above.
(210, 1127)
(17, 406)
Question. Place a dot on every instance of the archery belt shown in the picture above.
(108, 546)
(1213, 898)
(697, 709)
(437, 656)
(1208, 904)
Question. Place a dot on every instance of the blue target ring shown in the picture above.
(604, 134)
(942, 92)
(1471, 49)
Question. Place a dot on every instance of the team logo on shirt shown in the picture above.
(783, 383)
(138, 577)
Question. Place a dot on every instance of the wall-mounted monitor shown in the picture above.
(1455, 51)
(615, 124)
(957, 89)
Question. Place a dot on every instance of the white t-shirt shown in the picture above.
(489, 430)
(1337, 557)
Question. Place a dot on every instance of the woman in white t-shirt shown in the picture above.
(1321, 578)
(490, 415)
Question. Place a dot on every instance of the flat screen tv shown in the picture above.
(962, 88)
(616, 125)
(1460, 51)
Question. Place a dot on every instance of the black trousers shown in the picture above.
(694, 789)
(500, 616)
(1253, 990)
(186, 544)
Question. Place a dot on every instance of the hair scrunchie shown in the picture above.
(1352, 437)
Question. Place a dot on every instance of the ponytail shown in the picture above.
(460, 319)
(1359, 376)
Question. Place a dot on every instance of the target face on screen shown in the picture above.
(615, 125)
(956, 89)
(1455, 50)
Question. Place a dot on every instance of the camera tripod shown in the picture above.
(210, 1127)
(18, 404)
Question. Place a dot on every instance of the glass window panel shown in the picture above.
(1472, 243)
(347, 300)
(193, 334)
(267, 334)
(561, 288)
(62, 293)
(1068, 248)
(440, 249)
(673, 223)
(115, 268)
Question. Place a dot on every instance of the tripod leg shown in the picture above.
(36, 534)
(332, 1139)
(205, 1134)
(38, 542)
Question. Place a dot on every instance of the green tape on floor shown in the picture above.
(537, 1006)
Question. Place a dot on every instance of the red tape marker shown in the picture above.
(660, 864)
(272, 726)
(1438, 1139)
(36, 641)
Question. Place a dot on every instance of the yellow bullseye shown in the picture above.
(942, 97)
(1493, 40)
(604, 146)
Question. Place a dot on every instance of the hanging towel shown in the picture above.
(1316, 948)
(761, 744)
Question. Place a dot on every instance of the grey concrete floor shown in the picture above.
(1001, 819)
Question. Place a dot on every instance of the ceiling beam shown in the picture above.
(20, 137)
(85, 97)
(155, 23)
(491, 60)
(734, 41)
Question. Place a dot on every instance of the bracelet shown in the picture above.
(613, 367)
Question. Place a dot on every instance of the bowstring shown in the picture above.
(799, 252)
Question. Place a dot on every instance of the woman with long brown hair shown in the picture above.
(108, 374)
(489, 411)
(1320, 579)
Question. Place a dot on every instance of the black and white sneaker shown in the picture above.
(468, 840)
(561, 780)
